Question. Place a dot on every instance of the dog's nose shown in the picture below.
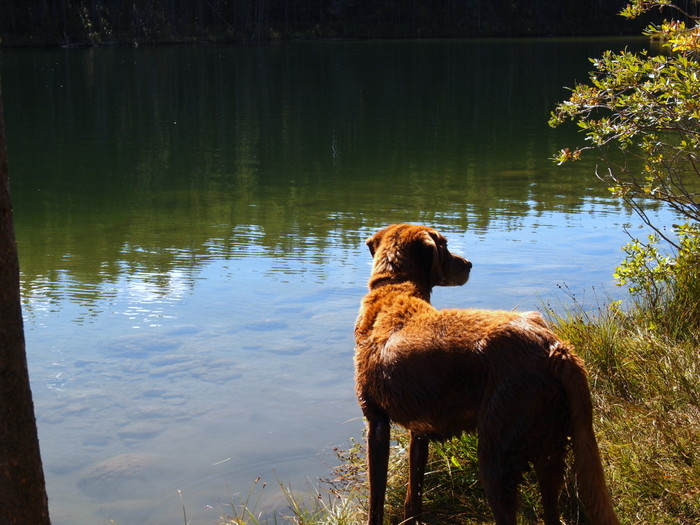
(466, 262)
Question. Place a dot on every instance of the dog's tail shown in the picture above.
(593, 492)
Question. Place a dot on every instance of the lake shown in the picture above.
(191, 226)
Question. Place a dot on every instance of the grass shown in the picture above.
(644, 370)
(332, 505)
(644, 365)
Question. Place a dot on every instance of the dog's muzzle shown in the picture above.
(456, 271)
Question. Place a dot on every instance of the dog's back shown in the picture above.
(433, 372)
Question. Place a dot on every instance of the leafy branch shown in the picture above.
(641, 113)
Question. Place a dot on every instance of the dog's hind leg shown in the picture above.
(500, 479)
(418, 457)
(502, 457)
(550, 476)
(378, 437)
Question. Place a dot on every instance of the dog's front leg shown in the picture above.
(417, 458)
(378, 464)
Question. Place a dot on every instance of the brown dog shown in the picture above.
(439, 373)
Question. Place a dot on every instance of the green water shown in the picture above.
(191, 224)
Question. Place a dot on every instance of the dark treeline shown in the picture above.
(75, 22)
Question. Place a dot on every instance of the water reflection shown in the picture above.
(148, 153)
(191, 225)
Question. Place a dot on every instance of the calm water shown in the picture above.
(191, 225)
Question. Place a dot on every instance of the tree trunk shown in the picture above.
(22, 490)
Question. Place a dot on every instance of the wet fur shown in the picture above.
(439, 373)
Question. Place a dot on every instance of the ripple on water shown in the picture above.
(140, 345)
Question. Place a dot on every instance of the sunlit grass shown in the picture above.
(644, 368)
(335, 503)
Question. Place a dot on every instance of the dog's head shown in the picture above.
(416, 253)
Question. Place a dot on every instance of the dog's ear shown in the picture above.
(373, 242)
(435, 246)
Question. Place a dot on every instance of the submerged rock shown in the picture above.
(124, 476)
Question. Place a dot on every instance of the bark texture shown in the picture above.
(22, 488)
